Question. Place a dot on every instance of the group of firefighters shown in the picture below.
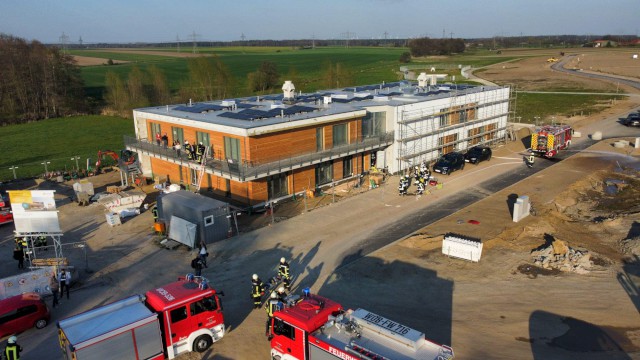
(194, 152)
(277, 297)
(421, 174)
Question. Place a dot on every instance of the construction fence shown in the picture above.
(68, 167)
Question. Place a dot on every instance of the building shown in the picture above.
(264, 148)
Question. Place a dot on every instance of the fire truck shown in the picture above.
(549, 139)
(170, 320)
(313, 327)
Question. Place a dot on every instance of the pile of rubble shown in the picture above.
(558, 255)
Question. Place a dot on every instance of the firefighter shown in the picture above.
(272, 306)
(199, 152)
(41, 241)
(154, 211)
(283, 272)
(12, 351)
(257, 290)
(188, 150)
(420, 185)
(281, 294)
(528, 160)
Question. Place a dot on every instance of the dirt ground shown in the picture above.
(92, 61)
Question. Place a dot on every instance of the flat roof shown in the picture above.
(257, 111)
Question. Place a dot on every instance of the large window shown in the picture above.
(347, 166)
(202, 137)
(178, 134)
(444, 117)
(340, 135)
(232, 149)
(277, 186)
(319, 139)
(373, 124)
(178, 314)
(155, 129)
(324, 173)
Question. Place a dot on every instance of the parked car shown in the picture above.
(632, 119)
(477, 153)
(449, 163)
(21, 312)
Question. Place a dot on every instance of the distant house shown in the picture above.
(605, 43)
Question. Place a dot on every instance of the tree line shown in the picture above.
(37, 82)
(426, 46)
(40, 82)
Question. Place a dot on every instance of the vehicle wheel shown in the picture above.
(462, 167)
(277, 357)
(489, 158)
(41, 323)
(202, 343)
(445, 172)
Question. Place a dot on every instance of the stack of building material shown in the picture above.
(558, 255)
(124, 200)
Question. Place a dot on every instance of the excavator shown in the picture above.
(111, 158)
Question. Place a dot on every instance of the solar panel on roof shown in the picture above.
(199, 108)
(232, 115)
(245, 105)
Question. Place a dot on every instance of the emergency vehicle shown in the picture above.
(316, 328)
(179, 317)
(549, 139)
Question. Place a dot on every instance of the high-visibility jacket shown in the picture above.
(283, 270)
(257, 288)
(274, 305)
(531, 158)
(12, 351)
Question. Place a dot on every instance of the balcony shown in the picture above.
(245, 171)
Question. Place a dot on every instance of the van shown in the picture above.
(21, 312)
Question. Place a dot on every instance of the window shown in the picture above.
(373, 124)
(347, 166)
(155, 129)
(232, 149)
(208, 220)
(194, 176)
(444, 117)
(178, 314)
(319, 139)
(178, 134)
(324, 173)
(282, 328)
(462, 115)
(340, 135)
(277, 185)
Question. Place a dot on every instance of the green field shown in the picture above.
(57, 141)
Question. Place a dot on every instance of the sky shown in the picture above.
(129, 21)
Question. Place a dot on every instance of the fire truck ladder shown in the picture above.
(203, 164)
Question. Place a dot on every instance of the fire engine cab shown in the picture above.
(549, 139)
(316, 328)
(179, 317)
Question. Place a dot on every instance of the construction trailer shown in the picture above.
(194, 218)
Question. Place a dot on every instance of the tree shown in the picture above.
(405, 57)
(265, 78)
(136, 89)
(116, 95)
(159, 92)
(336, 76)
(36, 82)
(209, 79)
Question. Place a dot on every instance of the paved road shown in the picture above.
(559, 66)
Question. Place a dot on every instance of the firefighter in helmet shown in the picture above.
(257, 290)
(283, 272)
(272, 306)
(12, 351)
(281, 294)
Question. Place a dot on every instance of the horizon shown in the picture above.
(162, 21)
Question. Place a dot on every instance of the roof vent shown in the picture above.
(423, 79)
(228, 103)
(289, 90)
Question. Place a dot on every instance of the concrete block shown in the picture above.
(596, 135)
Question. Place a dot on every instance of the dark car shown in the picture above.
(448, 163)
(477, 154)
(632, 119)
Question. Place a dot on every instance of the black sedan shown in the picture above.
(632, 120)
(448, 163)
(477, 154)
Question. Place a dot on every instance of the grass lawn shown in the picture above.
(57, 141)
(530, 105)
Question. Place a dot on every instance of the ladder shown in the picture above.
(203, 163)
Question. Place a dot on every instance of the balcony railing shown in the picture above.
(246, 171)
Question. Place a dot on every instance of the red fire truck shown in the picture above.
(179, 317)
(549, 139)
(316, 328)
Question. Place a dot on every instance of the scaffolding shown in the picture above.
(469, 118)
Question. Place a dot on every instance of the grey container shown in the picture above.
(209, 215)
